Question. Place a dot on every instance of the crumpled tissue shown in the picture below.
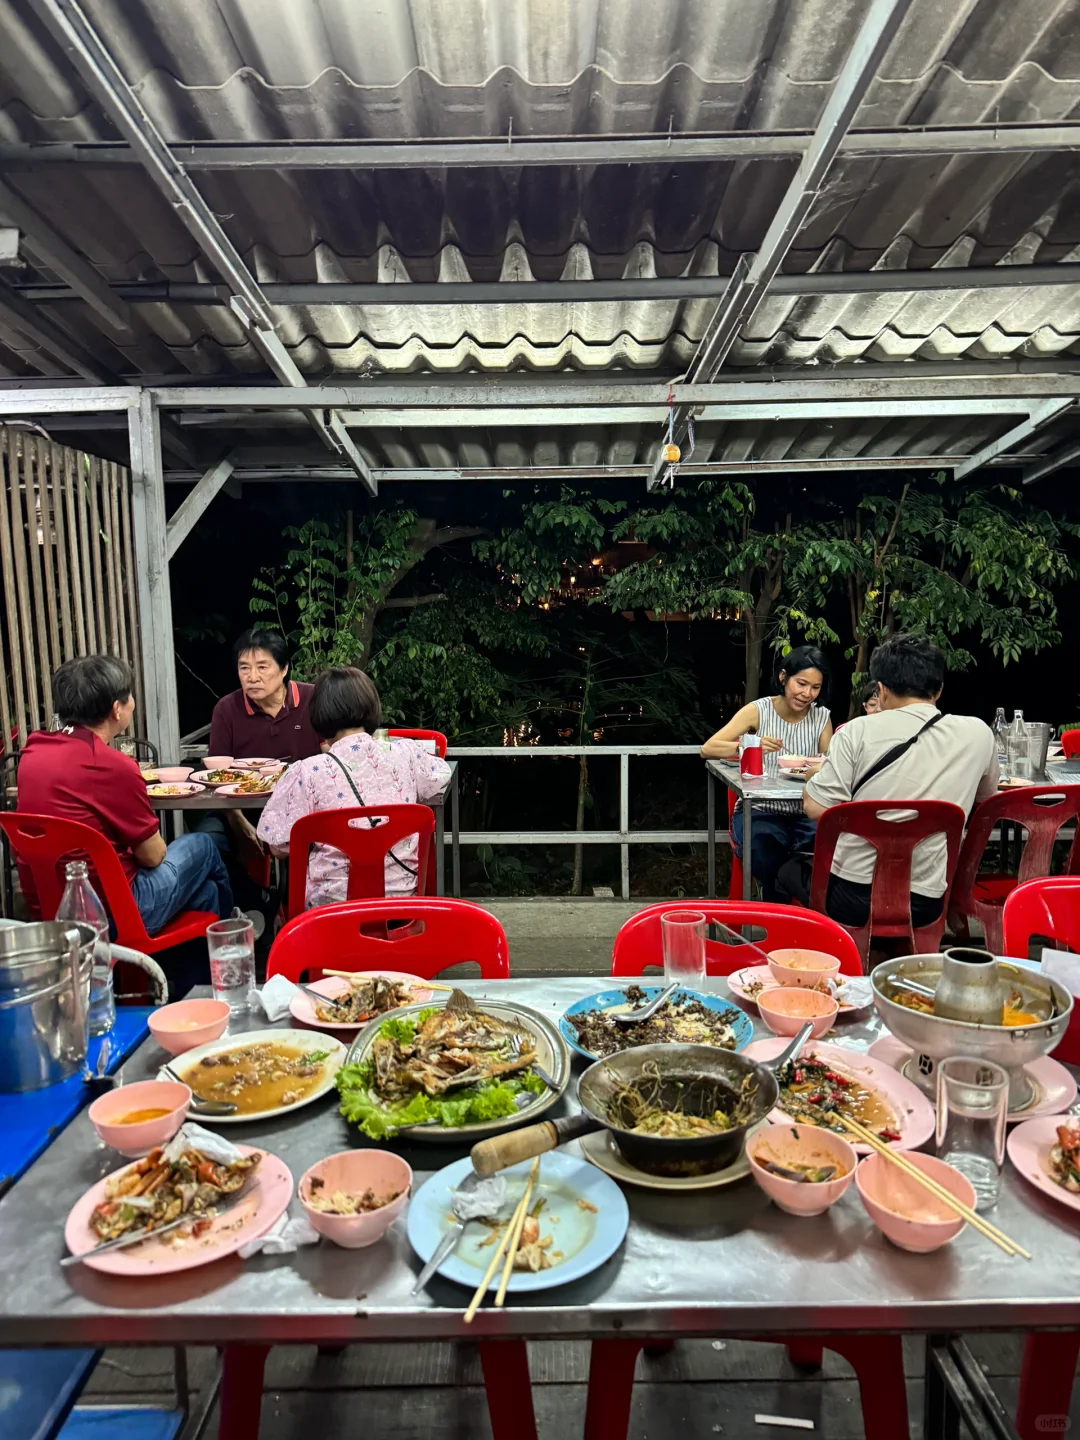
(855, 991)
(486, 1198)
(194, 1137)
(283, 1237)
(276, 996)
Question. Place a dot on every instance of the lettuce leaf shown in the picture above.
(469, 1106)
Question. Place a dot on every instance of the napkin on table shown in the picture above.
(283, 1237)
(276, 996)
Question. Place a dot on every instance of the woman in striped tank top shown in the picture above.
(790, 722)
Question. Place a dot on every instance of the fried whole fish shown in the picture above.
(458, 1045)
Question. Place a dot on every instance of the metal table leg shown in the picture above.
(958, 1392)
(747, 866)
(710, 789)
(440, 833)
(455, 835)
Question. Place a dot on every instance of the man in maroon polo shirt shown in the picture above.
(74, 774)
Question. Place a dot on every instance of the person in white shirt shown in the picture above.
(908, 751)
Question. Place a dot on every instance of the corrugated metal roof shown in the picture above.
(320, 69)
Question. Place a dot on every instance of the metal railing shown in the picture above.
(624, 837)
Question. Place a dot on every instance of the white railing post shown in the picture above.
(624, 822)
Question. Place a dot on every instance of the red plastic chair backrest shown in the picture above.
(1070, 743)
(45, 843)
(434, 934)
(1041, 810)
(639, 944)
(895, 840)
(436, 735)
(365, 845)
(1049, 908)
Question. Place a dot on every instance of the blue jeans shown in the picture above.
(191, 877)
(774, 838)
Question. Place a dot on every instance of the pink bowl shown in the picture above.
(136, 1140)
(903, 1211)
(792, 762)
(173, 774)
(188, 1023)
(217, 762)
(802, 967)
(352, 1172)
(784, 1008)
(793, 1145)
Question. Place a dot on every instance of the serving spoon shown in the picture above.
(637, 1017)
(200, 1105)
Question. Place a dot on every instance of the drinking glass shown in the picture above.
(683, 936)
(972, 1104)
(232, 962)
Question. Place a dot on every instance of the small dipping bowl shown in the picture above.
(173, 774)
(134, 1141)
(217, 762)
(785, 1008)
(794, 1145)
(188, 1023)
(352, 1172)
(903, 1211)
(802, 967)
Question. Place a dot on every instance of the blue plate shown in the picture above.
(742, 1026)
(585, 1236)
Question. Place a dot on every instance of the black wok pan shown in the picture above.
(701, 1078)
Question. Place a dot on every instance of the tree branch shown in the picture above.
(410, 602)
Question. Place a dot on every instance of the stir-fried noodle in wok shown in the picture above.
(676, 1109)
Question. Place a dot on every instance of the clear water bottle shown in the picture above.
(1019, 767)
(1001, 735)
(80, 902)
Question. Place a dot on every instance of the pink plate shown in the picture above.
(165, 788)
(248, 794)
(915, 1114)
(260, 1209)
(1056, 1088)
(740, 982)
(303, 1009)
(1029, 1147)
(252, 763)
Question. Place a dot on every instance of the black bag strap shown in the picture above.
(360, 801)
(891, 756)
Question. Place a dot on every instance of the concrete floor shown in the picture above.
(434, 1392)
(561, 936)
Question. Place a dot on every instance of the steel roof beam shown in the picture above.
(750, 282)
(571, 292)
(884, 143)
(1041, 414)
(1049, 463)
(36, 325)
(106, 83)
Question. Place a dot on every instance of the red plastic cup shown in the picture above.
(750, 760)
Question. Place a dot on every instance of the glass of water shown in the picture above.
(972, 1105)
(232, 962)
(683, 936)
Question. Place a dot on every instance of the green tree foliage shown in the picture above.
(533, 553)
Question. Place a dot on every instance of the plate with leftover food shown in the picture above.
(688, 1018)
(749, 982)
(828, 1082)
(214, 778)
(457, 1071)
(601, 1150)
(262, 1072)
(187, 787)
(578, 1221)
(253, 784)
(154, 1191)
(1055, 1088)
(255, 762)
(367, 994)
(1046, 1152)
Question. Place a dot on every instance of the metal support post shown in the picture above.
(624, 823)
(455, 831)
(161, 721)
(194, 504)
(710, 792)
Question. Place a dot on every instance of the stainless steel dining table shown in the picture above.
(750, 790)
(721, 1262)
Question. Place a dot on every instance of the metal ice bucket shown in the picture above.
(44, 994)
(1029, 761)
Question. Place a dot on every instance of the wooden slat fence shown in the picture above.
(66, 570)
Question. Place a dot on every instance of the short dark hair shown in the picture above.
(85, 689)
(909, 665)
(804, 657)
(344, 699)
(272, 641)
(867, 692)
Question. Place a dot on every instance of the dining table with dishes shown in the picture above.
(783, 1152)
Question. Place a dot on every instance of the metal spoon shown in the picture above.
(449, 1241)
(200, 1105)
(637, 1017)
(320, 998)
(901, 982)
(826, 1172)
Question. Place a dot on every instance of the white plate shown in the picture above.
(302, 1007)
(1055, 1087)
(299, 1040)
(600, 1150)
(173, 789)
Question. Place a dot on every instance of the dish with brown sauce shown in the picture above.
(258, 1078)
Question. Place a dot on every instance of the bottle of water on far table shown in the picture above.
(1001, 737)
(80, 902)
(1018, 747)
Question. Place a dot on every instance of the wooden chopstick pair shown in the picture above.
(508, 1245)
(899, 1159)
(351, 974)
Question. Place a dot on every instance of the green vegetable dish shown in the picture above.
(448, 1067)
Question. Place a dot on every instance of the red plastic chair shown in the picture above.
(1048, 908)
(352, 936)
(1042, 810)
(365, 844)
(638, 943)
(436, 735)
(44, 843)
(894, 840)
(1070, 743)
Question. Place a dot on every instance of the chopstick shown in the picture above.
(897, 1158)
(351, 975)
(515, 1239)
(517, 1220)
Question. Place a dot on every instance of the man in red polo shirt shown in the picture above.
(73, 773)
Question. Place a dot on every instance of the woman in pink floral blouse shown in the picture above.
(354, 769)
